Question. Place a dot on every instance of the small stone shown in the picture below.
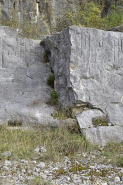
(117, 179)
(37, 150)
(43, 149)
(23, 161)
(104, 183)
(8, 163)
(5, 168)
(37, 170)
(34, 162)
(68, 178)
(23, 171)
(41, 165)
(44, 176)
(46, 172)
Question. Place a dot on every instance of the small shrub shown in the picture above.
(114, 19)
(54, 96)
(86, 14)
(50, 80)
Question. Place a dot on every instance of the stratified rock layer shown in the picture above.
(88, 68)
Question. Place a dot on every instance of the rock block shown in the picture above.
(88, 68)
(23, 80)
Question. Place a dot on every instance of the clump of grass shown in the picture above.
(14, 123)
(60, 114)
(39, 181)
(78, 168)
(60, 171)
(50, 80)
(113, 153)
(120, 161)
(59, 143)
(99, 121)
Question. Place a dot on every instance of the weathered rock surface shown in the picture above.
(23, 80)
(88, 68)
(42, 12)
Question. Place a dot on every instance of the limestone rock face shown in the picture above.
(88, 68)
(42, 12)
(23, 80)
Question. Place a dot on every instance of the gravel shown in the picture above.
(74, 172)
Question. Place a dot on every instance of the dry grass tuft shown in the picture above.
(58, 142)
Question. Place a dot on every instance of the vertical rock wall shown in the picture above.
(88, 67)
(23, 80)
(43, 12)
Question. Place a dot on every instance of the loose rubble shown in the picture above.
(74, 171)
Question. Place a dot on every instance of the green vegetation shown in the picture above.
(50, 80)
(54, 96)
(85, 13)
(88, 14)
(13, 123)
(112, 153)
(39, 181)
(59, 143)
(99, 121)
(114, 19)
(61, 114)
(120, 161)
(78, 168)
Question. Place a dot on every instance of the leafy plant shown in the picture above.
(85, 14)
(120, 161)
(54, 96)
(114, 19)
(50, 80)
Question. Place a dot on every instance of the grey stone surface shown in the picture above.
(23, 81)
(6, 31)
(85, 118)
(43, 12)
(101, 135)
(88, 67)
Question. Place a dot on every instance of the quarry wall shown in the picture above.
(88, 66)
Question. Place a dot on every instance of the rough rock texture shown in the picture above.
(43, 12)
(23, 80)
(88, 65)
